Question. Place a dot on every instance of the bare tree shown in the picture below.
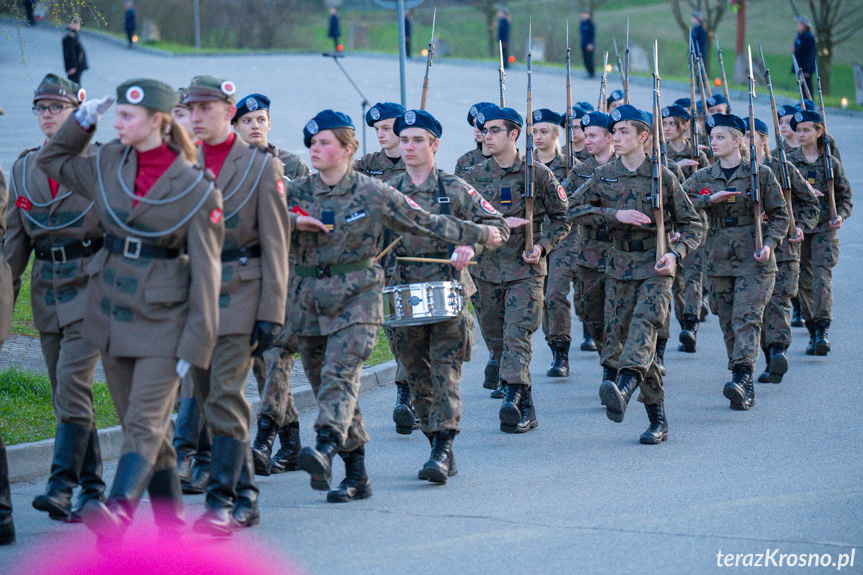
(489, 10)
(835, 22)
(712, 12)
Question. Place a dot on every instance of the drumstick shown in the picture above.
(430, 261)
(387, 250)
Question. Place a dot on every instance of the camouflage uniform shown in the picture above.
(294, 166)
(468, 160)
(789, 149)
(336, 289)
(677, 279)
(510, 295)
(582, 155)
(433, 353)
(379, 166)
(637, 297)
(273, 376)
(820, 247)
(739, 285)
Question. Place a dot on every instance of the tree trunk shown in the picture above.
(825, 61)
(491, 24)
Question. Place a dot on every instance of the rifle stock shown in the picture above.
(753, 163)
(655, 160)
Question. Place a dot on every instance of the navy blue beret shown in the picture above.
(629, 112)
(614, 96)
(759, 126)
(716, 99)
(650, 119)
(683, 103)
(383, 111)
(595, 120)
(475, 109)
(727, 120)
(497, 113)
(586, 106)
(787, 110)
(675, 111)
(577, 113)
(418, 119)
(251, 103)
(546, 115)
(810, 105)
(699, 107)
(326, 120)
(806, 116)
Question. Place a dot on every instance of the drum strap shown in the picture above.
(443, 205)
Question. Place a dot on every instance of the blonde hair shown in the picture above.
(735, 133)
(347, 137)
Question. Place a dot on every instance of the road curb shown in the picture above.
(29, 460)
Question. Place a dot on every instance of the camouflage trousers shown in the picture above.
(333, 364)
(401, 374)
(557, 312)
(433, 355)
(688, 286)
(589, 298)
(739, 302)
(509, 313)
(635, 311)
(776, 327)
(220, 389)
(819, 252)
(273, 375)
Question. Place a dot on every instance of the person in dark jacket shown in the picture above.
(408, 35)
(699, 37)
(503, 34)
(588, 41)
(130, 22)
(805, 49)
(335, 31)
(28, 11)
(74, 56)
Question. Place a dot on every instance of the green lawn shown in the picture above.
(22, 317)
(25, 406)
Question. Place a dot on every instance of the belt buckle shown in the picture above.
(61, 250)
(132, 248)
(243, 258)
(730, 220)
(323, 271)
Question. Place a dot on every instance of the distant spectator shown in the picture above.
(130, 22)
(335, 31)
(28, 11)
(805, 50)
(699, 36)
(588, 41)
(74, 56)
(503, 34)
(408, 34)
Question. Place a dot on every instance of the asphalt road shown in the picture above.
(579, 494)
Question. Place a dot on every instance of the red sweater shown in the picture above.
(151, 165)
(215, 156)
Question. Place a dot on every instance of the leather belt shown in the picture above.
(635, 245)
(241, 254)
(600, 235)
(325, 271)
(134, 248)
(61, 253)
(731, 221)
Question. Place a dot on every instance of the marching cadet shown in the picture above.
(254, 255)
(152, 298)
(638, 290)
(688, 296)
(820, 248)
(63, 230)
(579, 149)
(776, 328)
(433, 353)
(717, 104)
(340, 216)
(7, 304)
(509, 281)
(789, 136)
(741, 278)
(614, 100)
(592, 247)
(252, 123)
(182, 116)
(386, 164)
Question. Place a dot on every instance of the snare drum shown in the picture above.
(422, 303)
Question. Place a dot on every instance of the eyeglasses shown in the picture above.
(53, 108)
(493, 131)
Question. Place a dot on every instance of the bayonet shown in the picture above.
(569, 119)
(619, 65)
(828, 152)
(602, 105)
(724, 79)
(626, 64)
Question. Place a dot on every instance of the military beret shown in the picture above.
(787, 110)
(806, 116)
(760, 126)
(180, 104)
(546, 115)
(716, 100)
(383, 111)
(809, 104)
(208, 89)
(614, 96)
(649, 118)
(683, 103)
(699, 106)
(475, 109)
(595, 120)
(629, 112)
(53, 87)
(675, 111)
(418, 119)
(577, 113)
(251, 103)
(497, 113)
(326, 120)
(586, 106)
(147, 93)
(727, 120)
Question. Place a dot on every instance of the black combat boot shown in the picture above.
(7, 525)
(285, 458)
(166, 497)
(492, 373)
(262, 448)
(560, 364)
(510, 409)
(796, 317)
(687, 334)
(201, 464)
(500, 391)
(660, 354)
(109, 520)
(246, 512)
(822, 344)
(403, 415)
(617, 395)
(318, 461)
(658, 430)
(229, 457)
(777, 364)
(587, 343)
(186, 431)
(441, 464)
(92, 484)
(740, 391)
(356, 484)
(810, 347)
(70, 444)
(608, 374)
(527, 415)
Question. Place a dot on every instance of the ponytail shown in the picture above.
(175, 134)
